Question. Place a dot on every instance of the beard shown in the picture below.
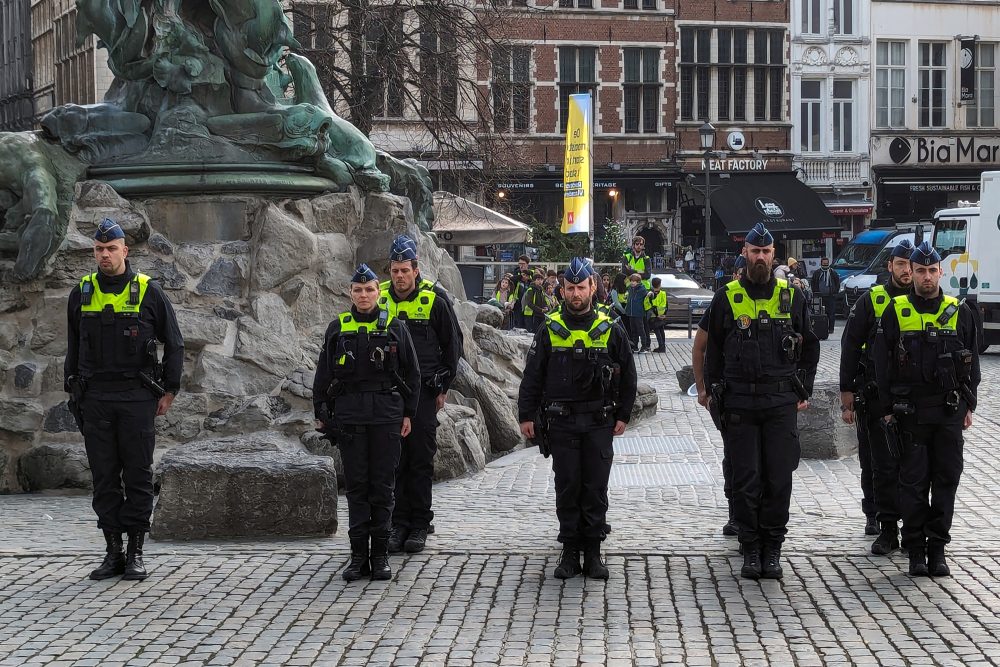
(925, 291)
(759, 273)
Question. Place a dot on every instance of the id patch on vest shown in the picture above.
(743, 322)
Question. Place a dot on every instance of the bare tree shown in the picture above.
(411, 71)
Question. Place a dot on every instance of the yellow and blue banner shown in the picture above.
(578, 168)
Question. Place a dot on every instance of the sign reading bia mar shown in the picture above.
(578, 174)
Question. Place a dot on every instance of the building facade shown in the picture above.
(831, 95)
(934, 119)
(64, 73)
(16, 76)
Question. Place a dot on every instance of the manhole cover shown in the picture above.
(660, 474)
(657, 444)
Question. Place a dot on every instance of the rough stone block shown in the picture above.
(201, 329)
(20, 416)
(822, 433)
(497, 411)
(218, 374)
(242, 487)
(223, 278)
(685, 377)
(59, 419)
(54, 466)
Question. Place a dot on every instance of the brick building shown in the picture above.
(16, 80)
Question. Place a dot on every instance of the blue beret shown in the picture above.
(363, 274)
(903, 249)
(925, 254)
(578, 271)
(740, 263)
(108, 231)
(759, 236)
(403, 248)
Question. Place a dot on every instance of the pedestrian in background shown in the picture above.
(635, 310)
(826, 285)
(656, 315)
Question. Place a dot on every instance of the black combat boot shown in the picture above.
(771, 568)
(358, 567)
(887, 541)
(134, 569)
(871, 526)
(380, 559)
(730, 529)
(751, 562)
(416, 541)
(593, 564)
(397, 538)
(918, 562)
(114, 561)
(937, 566)
(569, 562)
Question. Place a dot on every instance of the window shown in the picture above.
(949, 236)
(729, 73)
(843, 116)
(438, 65)
(511, 88)
(812, 15)
(768, 49)
(383, 77)
(933, 78)
(982, 112)
(843, 17)
(642, 90)
(634, 4)
(577, 74)
(312, 26)
(811, 112)
(890, 84)
(582, 4)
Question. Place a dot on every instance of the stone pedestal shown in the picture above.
(822, 433)
(239, 487)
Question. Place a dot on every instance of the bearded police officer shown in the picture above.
(927, 383)
(859, 401)
(118, 385)
(427, 311)
(760, 364)
(365, 395)
(637, 261)
(577, 392)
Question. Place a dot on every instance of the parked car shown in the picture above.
(681, 289)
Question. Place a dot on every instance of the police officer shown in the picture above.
(437, 338)
(698, 349)
(927, 383)
(760, 364)
(365, 394)
(879, 469)
(118, 385)
(579, 378)
(637, 261)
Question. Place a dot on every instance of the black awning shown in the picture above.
(786, 206)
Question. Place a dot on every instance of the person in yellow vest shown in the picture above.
(118, 384)
(859, 394)
(533, 303)
(577, 392)
(927, 383)
(760, 363)
(437, 338)
(637, 261)
(656, 315)
(365, 395)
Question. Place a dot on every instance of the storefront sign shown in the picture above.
(967, 78)
(849, 210)
(937, 151)
(578, 173)
(738, 164)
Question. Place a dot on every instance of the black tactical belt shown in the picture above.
(577, 407)
(367, 387)
(114, 385)
(760, 387)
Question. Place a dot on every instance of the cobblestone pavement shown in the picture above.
(483, 592)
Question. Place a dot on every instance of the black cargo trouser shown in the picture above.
(415, 474)
(885, 472)
(582, 454)
(370, 454)
(929, 471)
(763, 450)
(869, 431)
(830, 304)
(119, 438)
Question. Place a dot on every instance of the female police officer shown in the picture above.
(365, 393)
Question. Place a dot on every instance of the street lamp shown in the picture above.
(707, 134)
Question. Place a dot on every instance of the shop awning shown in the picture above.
(788, 207)
(848, 206)
(458, 221)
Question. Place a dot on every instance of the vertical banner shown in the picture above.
(967, 76)
(578, 168)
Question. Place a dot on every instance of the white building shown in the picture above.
(830, 97)
(928, 145)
